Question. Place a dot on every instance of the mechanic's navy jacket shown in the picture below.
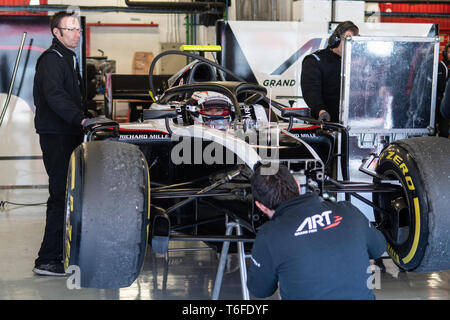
(315, 249)
(320, 82)
(58, 92)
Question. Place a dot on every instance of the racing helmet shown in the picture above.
(211, 108)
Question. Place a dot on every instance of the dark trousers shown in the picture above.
(56, 151)
(442, 124)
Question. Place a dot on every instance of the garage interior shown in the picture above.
(125, 40)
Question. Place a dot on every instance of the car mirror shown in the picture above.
(296, 112)
(160, 113)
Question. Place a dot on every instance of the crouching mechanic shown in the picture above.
(310, 248)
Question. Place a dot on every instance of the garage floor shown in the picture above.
(184, 275)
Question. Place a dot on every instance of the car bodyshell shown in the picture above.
(186, 158)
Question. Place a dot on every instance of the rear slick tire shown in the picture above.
(107, 213)
(417, 227)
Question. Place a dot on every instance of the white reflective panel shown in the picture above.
(388, 83)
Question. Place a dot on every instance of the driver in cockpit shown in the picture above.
(211, 108)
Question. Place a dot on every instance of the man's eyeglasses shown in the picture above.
(72, 29)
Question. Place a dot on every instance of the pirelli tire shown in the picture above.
(107, 214)
(418, 226)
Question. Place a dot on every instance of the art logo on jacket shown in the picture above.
(312, 224)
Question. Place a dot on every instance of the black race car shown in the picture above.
(183, 170)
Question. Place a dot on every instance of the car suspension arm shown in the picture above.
(188, 193)
(222, 181)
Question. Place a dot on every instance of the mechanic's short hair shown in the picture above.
(55, 20)
(272, 190)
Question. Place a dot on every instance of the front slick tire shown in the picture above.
(417, 227)
(107, 214)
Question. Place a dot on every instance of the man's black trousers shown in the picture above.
(56, 151)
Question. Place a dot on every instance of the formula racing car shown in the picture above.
(182, 172)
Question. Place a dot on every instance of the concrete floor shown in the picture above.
(188, 275)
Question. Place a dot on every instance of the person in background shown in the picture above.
(442, 123)
(60, 112)
(321, 75)
(445, 104)
(310, 248)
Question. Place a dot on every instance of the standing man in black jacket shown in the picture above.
(60, 112)
(321, 75)
(310, 248)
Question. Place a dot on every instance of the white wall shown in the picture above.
(323, 10)
(349, 10)
(120, 43)
(311, 10)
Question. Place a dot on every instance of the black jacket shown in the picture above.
(58, 92)
(443, 74)
(320, 82)
(445, 104)
(315, 249)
